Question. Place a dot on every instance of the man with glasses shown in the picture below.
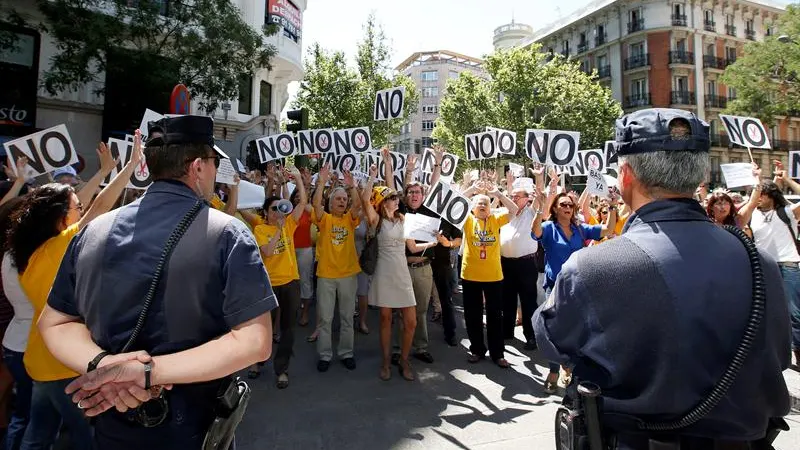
(209, 316)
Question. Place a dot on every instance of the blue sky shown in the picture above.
(464, 26)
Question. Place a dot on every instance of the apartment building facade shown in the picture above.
(672, 53)
(430, 71)
(26, 107)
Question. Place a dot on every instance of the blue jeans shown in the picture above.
(22, 400)
(554, 367)
(50, 405)
(791, 286)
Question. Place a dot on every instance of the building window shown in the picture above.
(731, 93)
(405, 128)
(639, 87)
(730, 29)
(635, 20)
(730, 54)
(452, 74)
(711, 87)
(430, 75)
(426, 142)
(600, 35)
(749, 31)
(680, 84)
(429, 92)
(427, 125)
(680, 45)
(265, 99)
(430, 109)
(711, 50)
(583, 45)
(735, 159)
(565, 48)
(679, 15)
(246, 94)
(708, 20)
(637, 49)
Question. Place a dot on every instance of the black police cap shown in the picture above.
(181, 130)
(648, 130)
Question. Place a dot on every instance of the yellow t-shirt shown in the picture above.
(481, 261)
(36, 281)
(219, 205)
(282, 264)
(336, 246)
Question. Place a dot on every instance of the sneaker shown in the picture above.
(349, 363)
(452, 342)
(424, 356)
(323, 366)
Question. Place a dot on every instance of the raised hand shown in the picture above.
(438, 154)
(537, 170)
(348, 179)
(756, 171)
(138, 152)
(385, 153)
(324, 174)
(107, 161)
(373, 171)
(411, 162)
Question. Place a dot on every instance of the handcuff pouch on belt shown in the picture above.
(577, 422)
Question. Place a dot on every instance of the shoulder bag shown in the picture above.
(368, 260)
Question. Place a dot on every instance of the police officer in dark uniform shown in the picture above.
(653, 317)
(209, 316)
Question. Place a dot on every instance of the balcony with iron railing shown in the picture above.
(565, 53)
(681, 57)
(719, 140)
(729, 61)
(780, 144)
(583, 46)
(682, 98)
(636, 25)
(730, 30)
(679, 20)
(600, 39)
(604, 71)
(636, 61)
(716, 101)
(712, 62)
(750, 34)
(710, 25)
(638, 100)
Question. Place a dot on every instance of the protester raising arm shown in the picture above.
(388, 168)
(355, 208)
(107, 164)
(745, 213)
(19, 181)
(610, 226)
(507, 202)
(411, 164)
(233, 197)
(322, 180)
(538, 206)
(302, 197)
(438, 156)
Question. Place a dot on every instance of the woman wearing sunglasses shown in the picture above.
(275, 238)
(561, 236)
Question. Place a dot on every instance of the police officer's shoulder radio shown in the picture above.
(577, 424)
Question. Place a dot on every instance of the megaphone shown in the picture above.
(285, 207)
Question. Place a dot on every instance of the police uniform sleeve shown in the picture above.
(247, 289)
(560, 323)
(62, 294)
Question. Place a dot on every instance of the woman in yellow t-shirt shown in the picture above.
(275, 238)
(482, 274)
(42, 227)
(337, 267)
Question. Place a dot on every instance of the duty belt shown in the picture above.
(417, 265)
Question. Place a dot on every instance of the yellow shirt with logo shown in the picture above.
(336, 246)
(282, 264)
(36, 281)
(481, 259)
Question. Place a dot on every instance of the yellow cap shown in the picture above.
(379, 194)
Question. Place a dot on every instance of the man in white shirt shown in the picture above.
(517, 248)
(774, 226)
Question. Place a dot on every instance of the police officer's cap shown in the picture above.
(648, 130)
(181, 130)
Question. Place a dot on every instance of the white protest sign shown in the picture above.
(448, 204)
(250, 195)
(552, 147)
(352, 140)
(516, 169)
(149, 116)
(794, 164)
(448, 166)
(46, 150)
(610, 149)
(122, 151)
(389, 103)
(240, 166)
(745, 131)
(399, 162)
(421, 227)
(225, 172)
(523, 183)
(340, 163)
(506, 141)
(596, 183)
(314, 142)
(738, 175)
(588, 159)
(276, 146)
(480, 146)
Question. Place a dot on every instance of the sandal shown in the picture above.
(283, 381)
(550, 386)
(405, 370)
(253, 374)
(502, 363)
(473, 358)
(314, 336)
(386, 373)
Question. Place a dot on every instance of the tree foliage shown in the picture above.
(524, 91)
(205, 41)
(767, 76)
(340, 96)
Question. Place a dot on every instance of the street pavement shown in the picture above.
(451, 405)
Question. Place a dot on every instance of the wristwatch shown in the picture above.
(93, 363)
(148, 368)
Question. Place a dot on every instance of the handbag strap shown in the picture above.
(781, 213)
(166, 253)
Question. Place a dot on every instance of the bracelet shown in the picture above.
(93, 363)
(148, 368)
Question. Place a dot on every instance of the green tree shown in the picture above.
(767, 76)
(339, 96)
(205, 42)
(524, 91)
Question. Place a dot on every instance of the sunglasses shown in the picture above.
(566, 205)
(216, 159)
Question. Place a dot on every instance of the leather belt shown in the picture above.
(417, 265)
(531, 256)
(793, 265)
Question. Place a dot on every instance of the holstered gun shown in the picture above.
(578, 427)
